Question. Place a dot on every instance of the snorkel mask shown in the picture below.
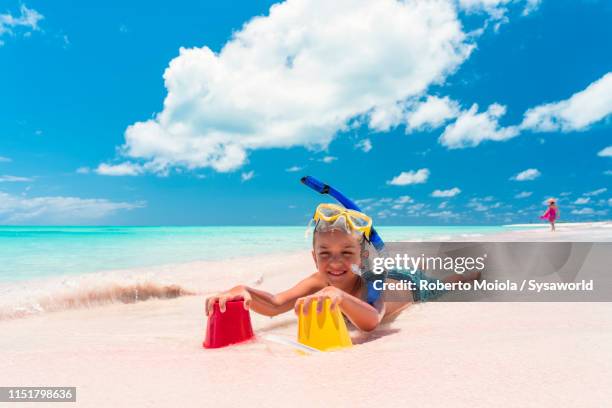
(333, 216)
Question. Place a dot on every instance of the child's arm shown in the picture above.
(361, 314)
(264, 302)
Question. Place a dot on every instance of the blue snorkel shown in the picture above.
(323, 188)
(374, 239)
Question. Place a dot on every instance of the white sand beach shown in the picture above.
(149, 353)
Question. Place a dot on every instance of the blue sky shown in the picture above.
(364, 95)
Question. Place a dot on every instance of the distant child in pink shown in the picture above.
(552, 213)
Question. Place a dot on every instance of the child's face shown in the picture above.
(334, 253)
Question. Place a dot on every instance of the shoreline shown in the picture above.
(124, 286)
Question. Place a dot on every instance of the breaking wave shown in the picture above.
(92, 297)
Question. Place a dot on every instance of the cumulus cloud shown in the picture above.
(471, 128)
(364, 145)
(14, 179)
(525, 175)
(122, 169)
(297, 77)
(27, 19)
(432, 113)
(293, 169)
(606, 152)
(384, 117)
(577, 113)
(582, 200)
(446, 193)
(328, 159)
(57, 210)
(410, 177)
(523, 194)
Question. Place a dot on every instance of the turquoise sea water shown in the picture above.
(36, 252)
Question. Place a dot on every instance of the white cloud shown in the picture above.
(443, 214)
(529, 174)
(431, 113)
(14, 179)
(57, 210)
(328, 159)
(83, 170)
(577, 113)
(584, 211)
(364, 145)
(384, 117)
(582, 200)
(27, 19)
(122, 169)
(477, 205)
(596, 192)
(446, 193)
(410, 177)
(246, 176)
(606, 152)
(531, 6)
(4, 159)
(297, 77)
(404, 199)
(471, 128)
(293, 169)
(523, 194)
(497, 9)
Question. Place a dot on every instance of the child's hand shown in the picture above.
(224, 297)
(330, 292)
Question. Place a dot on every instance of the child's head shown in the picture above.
(552, 201)
(340, 246)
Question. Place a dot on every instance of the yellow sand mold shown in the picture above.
(323, 331)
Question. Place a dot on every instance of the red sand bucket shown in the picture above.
(230, 327)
